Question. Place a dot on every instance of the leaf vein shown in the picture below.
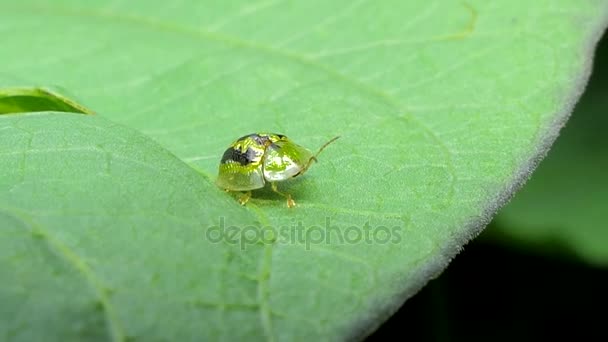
(83, 269)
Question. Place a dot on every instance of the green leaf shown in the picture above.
(23, 100)
(562, 208)
(443, 109)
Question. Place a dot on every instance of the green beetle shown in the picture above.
(255, 159)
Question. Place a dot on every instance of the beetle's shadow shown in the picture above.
(292, 187)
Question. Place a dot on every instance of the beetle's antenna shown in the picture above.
(314, 158)
(324, 146)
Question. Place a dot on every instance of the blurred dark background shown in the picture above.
(539, 271)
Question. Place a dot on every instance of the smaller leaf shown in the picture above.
(23, 100)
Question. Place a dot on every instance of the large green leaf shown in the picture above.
(443, 107)
(562, 208)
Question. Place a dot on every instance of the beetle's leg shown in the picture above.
(290, 202)
(244, 197)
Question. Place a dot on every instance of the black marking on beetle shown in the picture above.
(239, 157)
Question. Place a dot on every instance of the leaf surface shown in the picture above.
(443, 108)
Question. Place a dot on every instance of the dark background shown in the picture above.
(500, 289)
